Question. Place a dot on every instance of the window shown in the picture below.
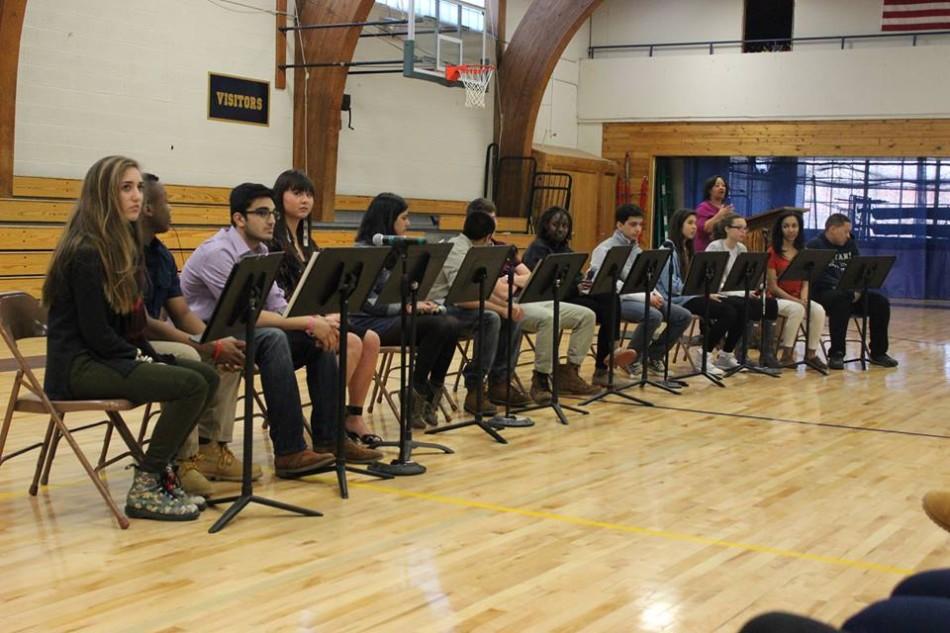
(767, 25)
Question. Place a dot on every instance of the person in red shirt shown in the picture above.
(792, 296)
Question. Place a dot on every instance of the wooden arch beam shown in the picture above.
(532, 53)
(317, 101)
(11, 26)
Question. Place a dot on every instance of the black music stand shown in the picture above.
(332, 279)
(235, 314)
(475, 281)
(747, 271)
(419, 265)
(608, 282)
(808, 266)
(643, 277)
(865, 272)
(705, 273)
(551, 281)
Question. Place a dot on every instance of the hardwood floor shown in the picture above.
(801, 494)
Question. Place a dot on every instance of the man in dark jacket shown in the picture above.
(841, 304)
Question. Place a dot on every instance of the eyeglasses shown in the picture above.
(264, 213)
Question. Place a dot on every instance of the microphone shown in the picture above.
(396, 240)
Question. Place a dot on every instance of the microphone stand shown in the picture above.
(668, 311)
(509, 420)
(403, 465)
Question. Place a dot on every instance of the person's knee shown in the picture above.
(371, 342)
(270, 341)
(654, 318)
(354, 344)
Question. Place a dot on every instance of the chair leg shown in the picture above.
(8, 416)
(135, 448)
(41, 458)
(106, 442)
(96, 481)
(48, 466)
(145, 420)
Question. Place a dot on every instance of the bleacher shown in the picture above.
(31, 223)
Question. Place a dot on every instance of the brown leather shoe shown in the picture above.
(541, 388)
(301, 463)
(471, 402)
(570, 382)
(352, 451)
(498, 393)
(937, 507)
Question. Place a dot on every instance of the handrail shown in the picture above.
(843, 39)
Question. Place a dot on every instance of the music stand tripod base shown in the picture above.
(511, 422)
(396, 468)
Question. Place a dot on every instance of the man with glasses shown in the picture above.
(282, 344)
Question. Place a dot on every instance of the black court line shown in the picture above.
(915, 340)
(829, 425)
(927, 306)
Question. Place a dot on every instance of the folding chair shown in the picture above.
(21, 316)
(387, 355)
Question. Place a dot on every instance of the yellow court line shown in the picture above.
(634, 529)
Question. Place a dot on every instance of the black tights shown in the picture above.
(436, 337)
(726, 322)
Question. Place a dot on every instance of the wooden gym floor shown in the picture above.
(800, 494)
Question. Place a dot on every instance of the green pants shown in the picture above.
(185, 390)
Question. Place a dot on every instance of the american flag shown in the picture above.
(911, 15)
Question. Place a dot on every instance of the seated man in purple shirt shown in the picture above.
(282, 344)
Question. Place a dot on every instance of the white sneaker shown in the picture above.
(695, 355)
(726, 360)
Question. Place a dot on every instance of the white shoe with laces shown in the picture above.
(726, 361)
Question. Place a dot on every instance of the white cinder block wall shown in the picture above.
(869, 79)
(100, 77)
(130, 76)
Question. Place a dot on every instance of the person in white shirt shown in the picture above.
(732, 231)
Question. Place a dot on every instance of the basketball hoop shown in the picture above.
(475, 78)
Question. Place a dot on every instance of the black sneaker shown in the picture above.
(835, 361)
(884, 360)
(657, 367)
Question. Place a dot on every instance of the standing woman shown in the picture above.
(293, 197)
(726, 325)
(711, 211)
(95, 347)
(436, 334)
(792, 296)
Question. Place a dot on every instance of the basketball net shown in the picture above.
(475, 78)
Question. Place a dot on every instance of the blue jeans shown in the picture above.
(632, 310)
(491, 362)
(278, 354)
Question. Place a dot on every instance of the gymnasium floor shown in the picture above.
(800, 494)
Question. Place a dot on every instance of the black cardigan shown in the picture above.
(81, 321)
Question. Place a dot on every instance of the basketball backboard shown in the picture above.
(443, 33)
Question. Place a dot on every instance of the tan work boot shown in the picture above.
(937, 507)
(192, 481)
(570, 383)
(218, 463)
(498, 393)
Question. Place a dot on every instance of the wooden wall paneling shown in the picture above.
(11, 27)
(324, 92)
(872, 138)
(280, 59)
